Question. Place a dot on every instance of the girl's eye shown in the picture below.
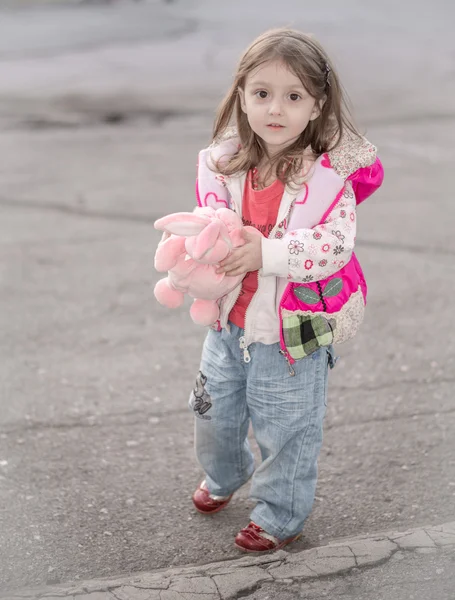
(294, 97)
(261, 94)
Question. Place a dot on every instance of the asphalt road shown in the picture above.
(43, 29)
(100, 133)
(404, 577)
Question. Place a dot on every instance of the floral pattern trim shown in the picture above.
(295, 247)
(351, 154)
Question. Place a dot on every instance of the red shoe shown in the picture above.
(253, 538)
(208, 504)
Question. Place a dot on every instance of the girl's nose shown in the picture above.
(275, 108)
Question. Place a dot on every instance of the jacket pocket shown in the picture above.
(306, 332)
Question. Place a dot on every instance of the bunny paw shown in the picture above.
(167, 296)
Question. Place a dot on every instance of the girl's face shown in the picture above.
(277, 105)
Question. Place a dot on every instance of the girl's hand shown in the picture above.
(244, 259)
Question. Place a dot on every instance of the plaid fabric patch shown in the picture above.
(304, 334)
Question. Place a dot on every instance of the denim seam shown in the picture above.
(240, 453)
(236, 357)
(300, 453)
(293, 478)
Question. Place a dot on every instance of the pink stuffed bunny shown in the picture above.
(191, 249)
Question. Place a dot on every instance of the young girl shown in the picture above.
(294, 167)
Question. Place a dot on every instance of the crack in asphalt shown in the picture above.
(247, 589)
(215, 584)
(354, 555)
(329, 576)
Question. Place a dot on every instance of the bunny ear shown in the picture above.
(206, 240)
(183, 223)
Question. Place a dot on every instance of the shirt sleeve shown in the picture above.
(305, 255)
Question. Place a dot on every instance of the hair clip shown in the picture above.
(327, 74)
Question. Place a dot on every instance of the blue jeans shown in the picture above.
(286, 413)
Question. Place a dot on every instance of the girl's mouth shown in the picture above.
(275, 126)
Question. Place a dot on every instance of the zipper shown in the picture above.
(243, 346)
(284, 351)
(288, 358)
(248, 308)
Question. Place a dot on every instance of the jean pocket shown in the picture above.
(305, 333)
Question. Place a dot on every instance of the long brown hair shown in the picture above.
(306, 58)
